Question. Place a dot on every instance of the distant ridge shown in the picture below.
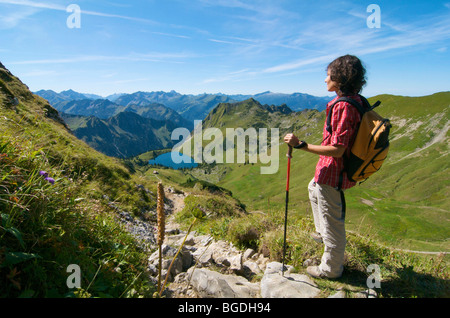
(194, 107)
(249, 113)
(124, 135)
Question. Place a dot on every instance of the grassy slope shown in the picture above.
(410, 194)
(411, 202)
(45, 227)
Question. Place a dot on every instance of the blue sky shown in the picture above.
(227, 46)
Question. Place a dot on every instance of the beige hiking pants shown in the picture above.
(329, 219)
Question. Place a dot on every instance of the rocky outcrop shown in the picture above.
(276, 285)
(208, 268)
(211, 284)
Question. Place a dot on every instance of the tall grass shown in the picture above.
(58, 199)
(48, 222)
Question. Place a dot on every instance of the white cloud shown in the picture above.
(39, 73)
(57, 7)
(34, 4)
(172, 35)
(230, 76)
(221, 41)
(300, 63)
(132, 57)
(12, 19)
(342, 40)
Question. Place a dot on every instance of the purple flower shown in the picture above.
(51, 180)
(43, 173)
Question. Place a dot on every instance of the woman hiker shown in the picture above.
(346, 77)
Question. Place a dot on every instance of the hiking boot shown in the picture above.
(311, 262)
(316, 272)
(316, 237)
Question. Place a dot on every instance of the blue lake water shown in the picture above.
(166, 161)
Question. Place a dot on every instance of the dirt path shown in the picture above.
(177, 205)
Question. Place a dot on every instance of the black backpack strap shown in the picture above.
(343, 99)
(330, 113)
(362, 109)
(367, 105)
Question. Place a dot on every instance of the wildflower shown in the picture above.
(47, 178)
(51, 180)
(43, 173)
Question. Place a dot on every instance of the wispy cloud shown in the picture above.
(322, 42)
(133, 57)
(40, 73)
(229, 4)
(299, 63)
(364, 41)
(57, 7)
(221, 41)
(229, 76)
(172, 35)
(134, 80)
(12, 19)
(265, 8)
(35, 4)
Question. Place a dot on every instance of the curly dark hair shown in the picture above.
(350, 74)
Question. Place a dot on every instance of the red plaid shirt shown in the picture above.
(344, 121)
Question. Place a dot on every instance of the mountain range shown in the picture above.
(96, 120)
(190, 107)
(124, 135)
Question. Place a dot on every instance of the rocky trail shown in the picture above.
(209, 268)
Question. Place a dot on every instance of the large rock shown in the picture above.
(220, 253)
(275, 285)
(183, 261)
(210, 284)
(203, 251)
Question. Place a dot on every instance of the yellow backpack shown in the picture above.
(371, 145)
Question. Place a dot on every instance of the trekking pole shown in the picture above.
(289, 156)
